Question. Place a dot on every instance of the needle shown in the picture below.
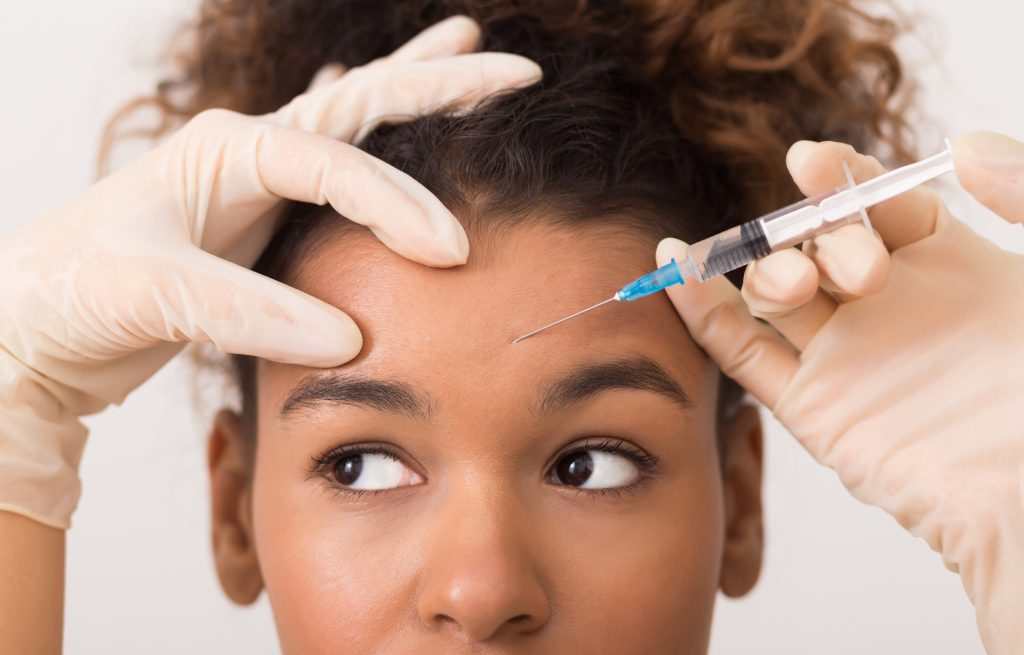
(563, 320)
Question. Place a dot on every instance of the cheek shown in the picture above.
(649, 575)
(334, 584)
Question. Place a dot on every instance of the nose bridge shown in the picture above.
(480, 574)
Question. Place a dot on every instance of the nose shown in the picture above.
(479, 578)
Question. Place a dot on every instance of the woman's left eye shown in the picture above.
(371, 471)
(596, 469)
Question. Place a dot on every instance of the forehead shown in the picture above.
(452, 329)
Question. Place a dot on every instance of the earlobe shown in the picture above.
(744, 522)
(234, 551)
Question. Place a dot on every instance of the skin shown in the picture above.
(32, 580)
(485, 547)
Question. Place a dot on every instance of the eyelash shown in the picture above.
(647, 463)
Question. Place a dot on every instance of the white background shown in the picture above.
(839, 577)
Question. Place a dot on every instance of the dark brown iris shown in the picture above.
(347, 470)
(575, 469)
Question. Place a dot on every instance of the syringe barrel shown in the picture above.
(792, 225)
(783, 228)
(803, 220)
(729, 250)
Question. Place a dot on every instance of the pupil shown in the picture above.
(576, 469)
(347, 470)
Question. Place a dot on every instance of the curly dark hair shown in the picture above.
(742, 79)
(673, 116)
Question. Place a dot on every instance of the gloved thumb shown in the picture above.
(745, 349)
(208, 299)
(990, 167)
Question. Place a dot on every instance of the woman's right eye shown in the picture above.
(372, 471)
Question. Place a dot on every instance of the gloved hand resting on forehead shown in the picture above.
(897, 360)
(100, 293)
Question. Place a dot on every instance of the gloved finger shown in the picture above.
(400, 211)
(747, 350)
(455, 35)
(783, 289)
(204, 298)
(817, 168)
(327, 74)
(363, 98)
(991, 168)
(852, 262)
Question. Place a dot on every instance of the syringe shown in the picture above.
(784, 228)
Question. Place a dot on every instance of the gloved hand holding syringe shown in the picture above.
(884, 362)
(783, 228)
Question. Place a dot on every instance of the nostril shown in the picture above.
(444, 618)
(519, 618)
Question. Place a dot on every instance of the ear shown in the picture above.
(743, 456)
(234, 551)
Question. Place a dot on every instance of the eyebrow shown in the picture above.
(341, 388)
(587, 381)
(582, 383)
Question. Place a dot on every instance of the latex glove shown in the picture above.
(100, 293)
(903, 372)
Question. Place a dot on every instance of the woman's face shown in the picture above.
(450, 491)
